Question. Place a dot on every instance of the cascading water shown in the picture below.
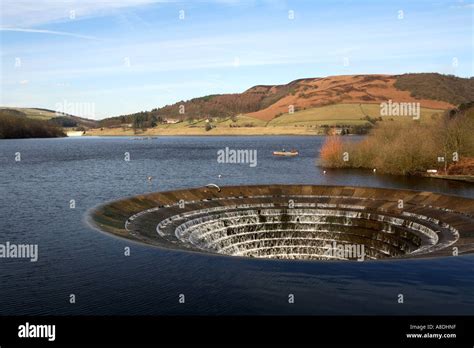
(295, 222)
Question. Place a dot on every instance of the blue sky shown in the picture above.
(132, 55)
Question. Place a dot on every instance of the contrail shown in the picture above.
(40, 31)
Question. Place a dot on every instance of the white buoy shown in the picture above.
(219, 176)
(324, 172)
(375, 170)
(149, 178)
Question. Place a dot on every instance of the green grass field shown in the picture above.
(310, 119)
(340, 114)
(35, 113)
(240, 121)
(45, 115)
(330, 115)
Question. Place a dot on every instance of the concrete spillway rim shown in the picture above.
(87, 219)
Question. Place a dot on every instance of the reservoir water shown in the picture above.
(35, 208)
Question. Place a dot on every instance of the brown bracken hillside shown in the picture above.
(431, 90)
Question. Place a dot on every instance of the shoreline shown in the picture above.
(461, 178)
(145, 135)
(195, 135)
(237, 131)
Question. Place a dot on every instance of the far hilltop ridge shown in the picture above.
(265, 102)
(307, 106)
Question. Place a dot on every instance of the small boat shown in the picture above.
(284, 153)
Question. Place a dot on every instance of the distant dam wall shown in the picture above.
(302, 222)
(75, 133)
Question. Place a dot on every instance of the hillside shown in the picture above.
(448, 88)
(14, 124)
(351, 89)
(64, 120)
(267, 103)
(351, 103)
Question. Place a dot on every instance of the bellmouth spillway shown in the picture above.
(303, 222)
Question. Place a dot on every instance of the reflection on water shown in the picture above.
(34, 205)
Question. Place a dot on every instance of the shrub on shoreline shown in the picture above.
(406, 147)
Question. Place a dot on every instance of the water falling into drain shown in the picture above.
(321, 223)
